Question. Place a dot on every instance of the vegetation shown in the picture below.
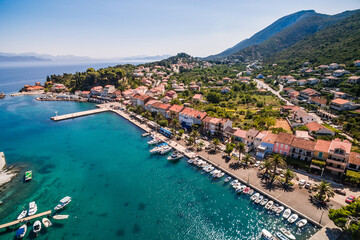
(352, 177)
(348, 218)
(324, 190)
(276, 160)
(289, 175)
(241, 148)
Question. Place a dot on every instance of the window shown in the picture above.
(282, 145)
(277, 144)
(320, 155)
(286, 146)
(280, 151)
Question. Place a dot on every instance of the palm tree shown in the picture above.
(247, 158)
(194, 134)
(324, 190)
(276, 160)
(289, 175)
(175, 123)
(241, 148)
(267, 166)
(216, 143)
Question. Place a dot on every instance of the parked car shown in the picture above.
(308, 185)
(340, 191)
(235, 154)
(302, 182)
(257, 163)
(350, 199)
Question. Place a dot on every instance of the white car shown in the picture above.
(257, 163)
(302, 182)
(235, 155)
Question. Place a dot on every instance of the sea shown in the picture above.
(118, 189)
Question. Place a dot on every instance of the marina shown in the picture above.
(78, 114)
(46, 213)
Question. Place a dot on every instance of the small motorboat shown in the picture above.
(20, 233)
(46, 222)
(254, 196)
(287, 233)
(32, 208)
(234, 182)
(227, 179)
(145, 134)
(28, 176)
(269, 205)
(266, 234)
(191, 161)
(240, 189)
(281, 236)
(246, 190)
(287, 213)
(22, 214)
(301, 223)
(154, 141)
(60, 217)
(37, 227)
(158, 148)
(293, 218)
(175, 156)
(264, 202)
(219, 174)
(259, 199)
(251, 192)
(280, 209)
(274, 207)
(165, 149)
(63, 202)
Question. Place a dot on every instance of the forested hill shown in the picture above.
(290, 36)
(338, 43)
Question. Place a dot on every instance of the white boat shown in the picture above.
(154, 141)
(234, 182)
(287, 233)
(22, 214)
(60, 217)
(279, 209)
(254, 196)
(218, 174)
(208, 169)
(227, 179)
(274, 207)
(145, 134)
(264, 202)
(266, 234)
(293, 218)
(251, 192)
(237, 185)
(281, 236)
(269, 205)
(175, 156)
(287, 213)
(191, 161)
(63, 202)
(46, 222)
(32, 208)
(20, 233)
(240, 189)
(259, 199)
(301, 223)
(158, 148)
(37, 226)
(165, 149)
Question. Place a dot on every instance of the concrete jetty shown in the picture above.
(25, 219)
(2, 160)
(79, 114)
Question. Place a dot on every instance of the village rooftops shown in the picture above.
(176, 108)
(284, 138)
(270, 138)
(310, 92)
(340, 101)
(252, 133)
(197, 97)
(141, 97)
(314, 126)
(354, 158)
(337, 143)
(321, 101)
(240, 133)
(322, 145)
(303, 144)
(290, 108)
(193, 113)
(211, 120)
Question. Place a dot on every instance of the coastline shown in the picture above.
(6, 174)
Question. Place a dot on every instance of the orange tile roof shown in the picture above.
(322, 145)
(176, 108)
(354, 158)
(284, 138)
(303, 144)
(337, 143)
(270, 138)
(193, 113)
(339, 101)
(314, 126)
(240, 133)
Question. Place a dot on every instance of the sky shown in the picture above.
(122, 28)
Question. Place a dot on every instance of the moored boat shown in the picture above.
(293, 218)
(259, 199)
(269, 205)
(28, 176)
(165, 149)
(234, 182)
(264, 201)
(301, 223)
(191, 161)
(63, 202)
(20, 233)
(254, 196)
(274, 207)
(37, 227)
(22, 214)
(32, 208)
(227, 179)
(240, 189)
(246, 190)
(287, 213)
(251, 192)
(60, 217)
(158, 148)
(279, 209)
(287, 233)
(145, 134)
(175, 156)
(2, 95)
(266, 234)
(46, 222)
(281, 236)
(154, 141)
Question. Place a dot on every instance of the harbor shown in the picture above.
(25, 219)
(79, 114)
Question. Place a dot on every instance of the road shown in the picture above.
(263, 85)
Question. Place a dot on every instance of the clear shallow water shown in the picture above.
(119, 190)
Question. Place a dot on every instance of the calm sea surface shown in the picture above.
(119, 190)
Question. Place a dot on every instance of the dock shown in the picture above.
(25, 219)
(78, 114)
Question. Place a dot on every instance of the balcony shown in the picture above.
(333, 161)
(335, 169)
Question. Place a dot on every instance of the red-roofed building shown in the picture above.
(267, 145)
(302, 149)
(341, 104)
(141, 99)
(171, 94)
(354, 161)
(309, 93)
(318, 101)
(174, 111)
(322, 149)
(189, 116)
(240, 135)
(197, 97)
(282, 143)
(339, 154)
(215, 126)
(319, 129)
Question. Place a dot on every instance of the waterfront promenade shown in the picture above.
(79, 114)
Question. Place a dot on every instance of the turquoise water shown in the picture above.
(119, 190)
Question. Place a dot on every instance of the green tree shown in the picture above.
(229, 148)
(324, 190)
(276, 160)
(267, 166)
(289, 175)
(216, 143)
(247, 158)
(241, 148)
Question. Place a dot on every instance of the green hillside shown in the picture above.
(338, 43)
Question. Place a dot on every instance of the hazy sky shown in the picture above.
(111, 28)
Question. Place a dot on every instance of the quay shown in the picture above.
(79, 114)
(25, 219)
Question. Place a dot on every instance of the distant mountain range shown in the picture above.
(281, 34)
(34, 57)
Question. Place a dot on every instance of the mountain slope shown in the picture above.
(267, 32)
(291, 35)
(338, 43)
